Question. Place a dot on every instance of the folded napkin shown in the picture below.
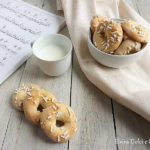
(129, 86)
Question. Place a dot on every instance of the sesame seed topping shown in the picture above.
(66, 132)
(114, 32)
(57, 104)
(129, 47)
(133, 27)
(128, 52)
(51, 129)
(53, 99)
(95, 44)
(58, 114)
(45, 99)
(67, 137)
(62, 136)
(69, 112)
(106, 48)
(28, 93)
(58, 138)
(30, 98)
(35, 102)
(49, 117)
(108, 27)
(119, 34)
(101, 28)
(103, 42)
(75, 130)
(54, 107)
(112, 39)
(136, 43)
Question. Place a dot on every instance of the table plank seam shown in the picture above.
(71, 77)
(24, 65)
(114, 122)
(22, 73)
(71, 86)
(6, 131)
(43, 4)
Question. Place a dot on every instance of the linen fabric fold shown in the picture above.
(129, 86)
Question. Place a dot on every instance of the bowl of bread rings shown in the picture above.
(117, 43)
(41, 108)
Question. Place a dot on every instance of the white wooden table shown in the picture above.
(100, 119)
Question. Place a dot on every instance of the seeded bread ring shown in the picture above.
(20, 94)
(136, 31)
(128, 47)
(35, 103)
(60, 124)
(95, 22)
(108, 36)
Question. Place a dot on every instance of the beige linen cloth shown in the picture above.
(129, 86)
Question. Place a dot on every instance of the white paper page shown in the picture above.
(20, 24)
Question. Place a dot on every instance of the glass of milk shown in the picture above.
(53, 53)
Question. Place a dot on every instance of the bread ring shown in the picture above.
(20, 94)
(108, 36)
(96, 20)
(128, 47)
(135, 31)
(60, 124)
(37, 100)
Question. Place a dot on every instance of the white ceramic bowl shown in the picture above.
(114, 61)
(53, 67)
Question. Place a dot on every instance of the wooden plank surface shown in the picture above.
(20, 134)
(94, 113)
(100, 120)
(5, 106)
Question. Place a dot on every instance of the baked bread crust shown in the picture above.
(62, 113)
(136, 31)
(108, 36)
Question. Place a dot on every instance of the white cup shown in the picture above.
(53, 67)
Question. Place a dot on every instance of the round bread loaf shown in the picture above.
(58, 122)
(35, 103)
(108, 36)
(128, 47)
(136, 31)
(20, 94)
